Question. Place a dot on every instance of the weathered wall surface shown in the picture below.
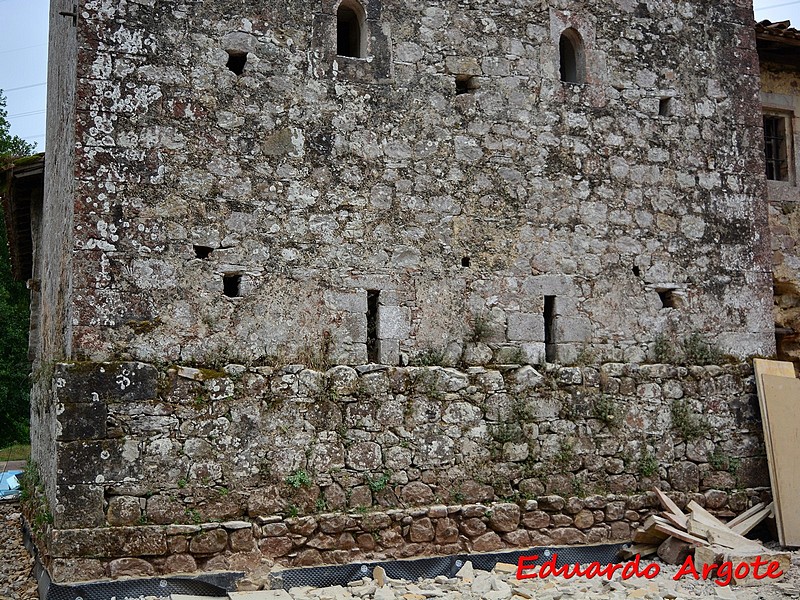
(316, 178)
(153, 461)
(781, 95)
(52, 274)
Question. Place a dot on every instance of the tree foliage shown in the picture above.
(14, 316)
(11, 145)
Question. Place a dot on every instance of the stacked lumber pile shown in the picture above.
(674, 535)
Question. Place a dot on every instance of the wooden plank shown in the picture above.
(745, 515)
(640, 536)
(653, 520)
(637, 549)
(698, 513)
(748, 524)
(681, 535)
(678, 522)
(735, 542)
(782, 403)
(671, 507)
(720, 534)
(764, 368)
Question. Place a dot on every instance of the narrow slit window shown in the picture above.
(231, 285)
(236, 61)
(350, 39)
(373, 347)
(571, 54)
(549, 328)
(776, 148)
(202, 252)
(636, 271)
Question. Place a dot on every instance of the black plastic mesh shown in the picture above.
(205, 585)
(427, 568)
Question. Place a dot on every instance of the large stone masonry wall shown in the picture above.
(633, 199)
(174, 469)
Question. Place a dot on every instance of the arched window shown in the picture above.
(573, 61)
(350, 30)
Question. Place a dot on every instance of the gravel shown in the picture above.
(16, 565)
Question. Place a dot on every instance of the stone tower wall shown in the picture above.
(632, 199)
(173, 470)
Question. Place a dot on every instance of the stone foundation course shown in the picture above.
(174, 469)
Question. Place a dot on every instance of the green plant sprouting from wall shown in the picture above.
(34, 499)
(298, 479)
(606, 408)
(687, 422)
(694, 349)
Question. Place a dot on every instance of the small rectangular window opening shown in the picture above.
(236, 61)
(202, 251)
(373, 347)
(465, 84)
(465, 262)
(231, 284)
(549, 328)
(776, 148)
(665, 107)
(668, 298)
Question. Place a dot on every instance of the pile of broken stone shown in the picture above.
(502, 584)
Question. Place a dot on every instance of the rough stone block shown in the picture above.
(108, 382)
(130, 567)
(123, 510)
(113, 542)
(82, 421)
(462, 65)
(72, 570)
(79, 506)
(525, 327)
(504, 517)
(394, 322)
(85, 461)
(209, 542)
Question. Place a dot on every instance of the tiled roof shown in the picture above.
(781, 29)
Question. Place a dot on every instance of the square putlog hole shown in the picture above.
(466, 84)
(231, 285)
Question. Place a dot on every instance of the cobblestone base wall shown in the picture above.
(175, 469)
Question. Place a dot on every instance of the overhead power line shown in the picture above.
(23, 87)
(22, 48)
(778, 5)
(27, 114)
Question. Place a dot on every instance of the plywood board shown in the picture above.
(779, 369)
(781, 409)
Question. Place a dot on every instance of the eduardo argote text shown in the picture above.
(722, 574)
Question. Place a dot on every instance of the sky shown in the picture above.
(23, 58)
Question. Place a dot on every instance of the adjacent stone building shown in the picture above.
(320, 281)
(780, 95)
